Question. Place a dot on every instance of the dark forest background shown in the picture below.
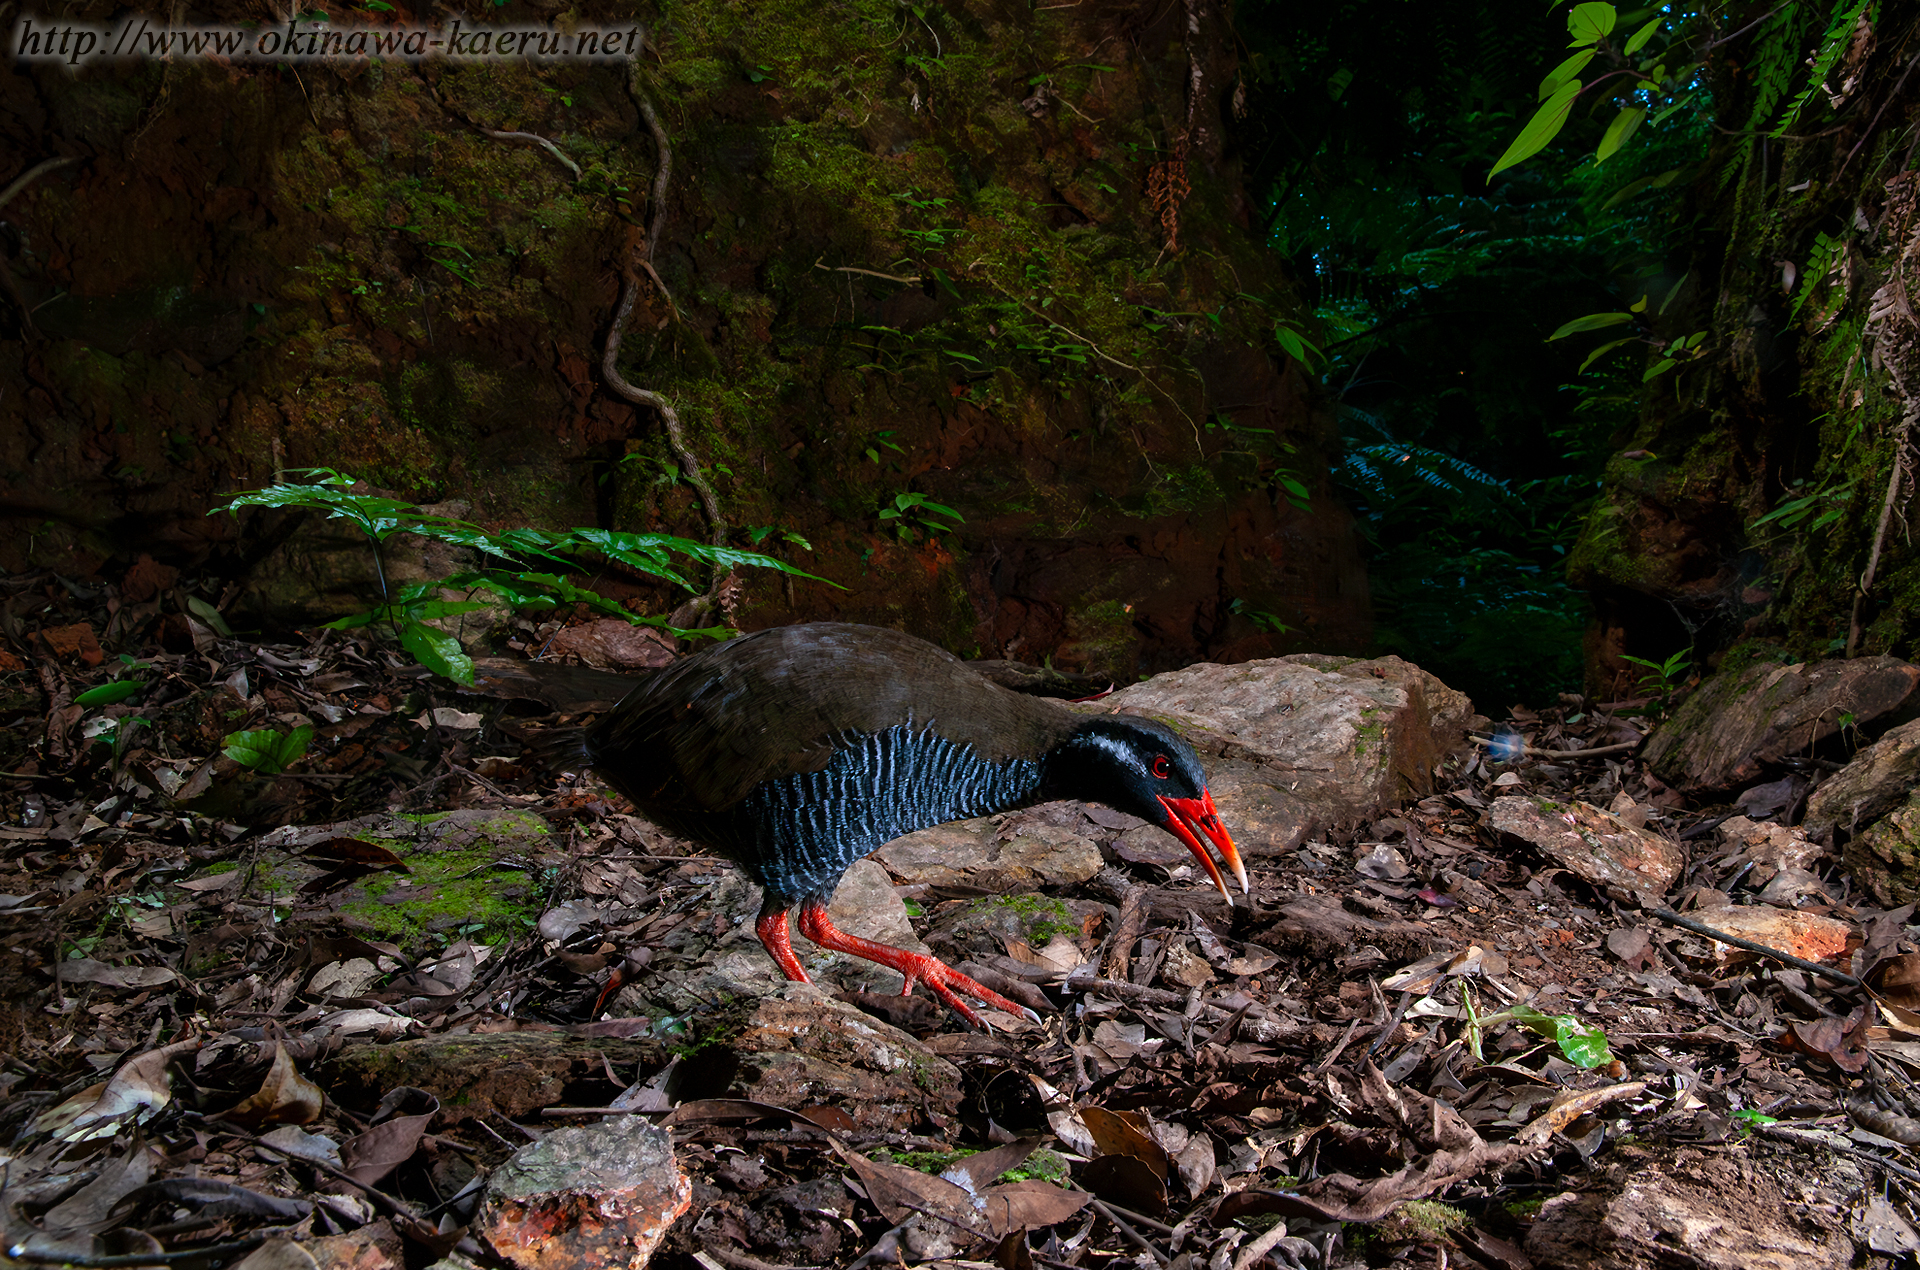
(1114, 336)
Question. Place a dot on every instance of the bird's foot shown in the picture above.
(941, 979)
(945, 982)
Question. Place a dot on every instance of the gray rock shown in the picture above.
(1683, 1211)
(800, 1047)
(1873, 784)
(732, 962)
(1736, 724)
(1328, 739)
(1592, 844)
(970, 853)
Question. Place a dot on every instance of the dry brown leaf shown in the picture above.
(284, 1096)
(372, 1155)
(87, 970)
(1566, 1108)
(899, 1192)
(1123, 1133)
(1030, 1205)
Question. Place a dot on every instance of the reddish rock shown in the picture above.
(76, 641)
(146, 579)
(592, 1198)
(374, 1246)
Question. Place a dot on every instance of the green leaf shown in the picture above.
(269, 752)
(1839, 36)
(1603, 350)
(1297, 346)
(1582, 1046)
(1641, 185)
(1591, 322)
(1618, 131)
(1638, 40)
(1564, 72)
(108, 693)
(437, 651)
(1541, 129)
(1660, 367)
(1588, 22)
(210, 615)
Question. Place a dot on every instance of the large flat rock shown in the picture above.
(1333, 739)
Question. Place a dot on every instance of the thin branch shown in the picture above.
(1875, 122)
(1534, 751)
(34, 1257)
(538, 140)
(1728, 39)
(676, 436)
(888, 277)
(31, 175)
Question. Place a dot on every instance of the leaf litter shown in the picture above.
(234, 1017)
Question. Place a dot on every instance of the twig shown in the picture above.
(1782, 1133)
(1537, 751)
(1672, 918)
(538, 140)
(1900, 434)
(1353, 1025)
(1133, 1235)
(1875, 123)
(676, 437)
(663, 177)
(741, 1261)
(889, 277)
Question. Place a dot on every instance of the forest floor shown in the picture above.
(214, 911)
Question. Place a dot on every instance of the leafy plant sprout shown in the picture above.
(525, 567)
(916, 512)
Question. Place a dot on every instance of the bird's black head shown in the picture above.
(1143, 767)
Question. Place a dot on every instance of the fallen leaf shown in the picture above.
(284, 1096)
(371, 1155)
(133, 1095)
(87, 970)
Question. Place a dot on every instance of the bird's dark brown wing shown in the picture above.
(697, 736)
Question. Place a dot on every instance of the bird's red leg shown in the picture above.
(772, 929)
(941, 979)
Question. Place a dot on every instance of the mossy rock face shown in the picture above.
(894, 259)
(1885, 858)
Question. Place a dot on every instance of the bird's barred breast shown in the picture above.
(796, 835)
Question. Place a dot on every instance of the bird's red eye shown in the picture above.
(1160, 769)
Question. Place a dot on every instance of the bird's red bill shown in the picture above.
(1189, 819)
